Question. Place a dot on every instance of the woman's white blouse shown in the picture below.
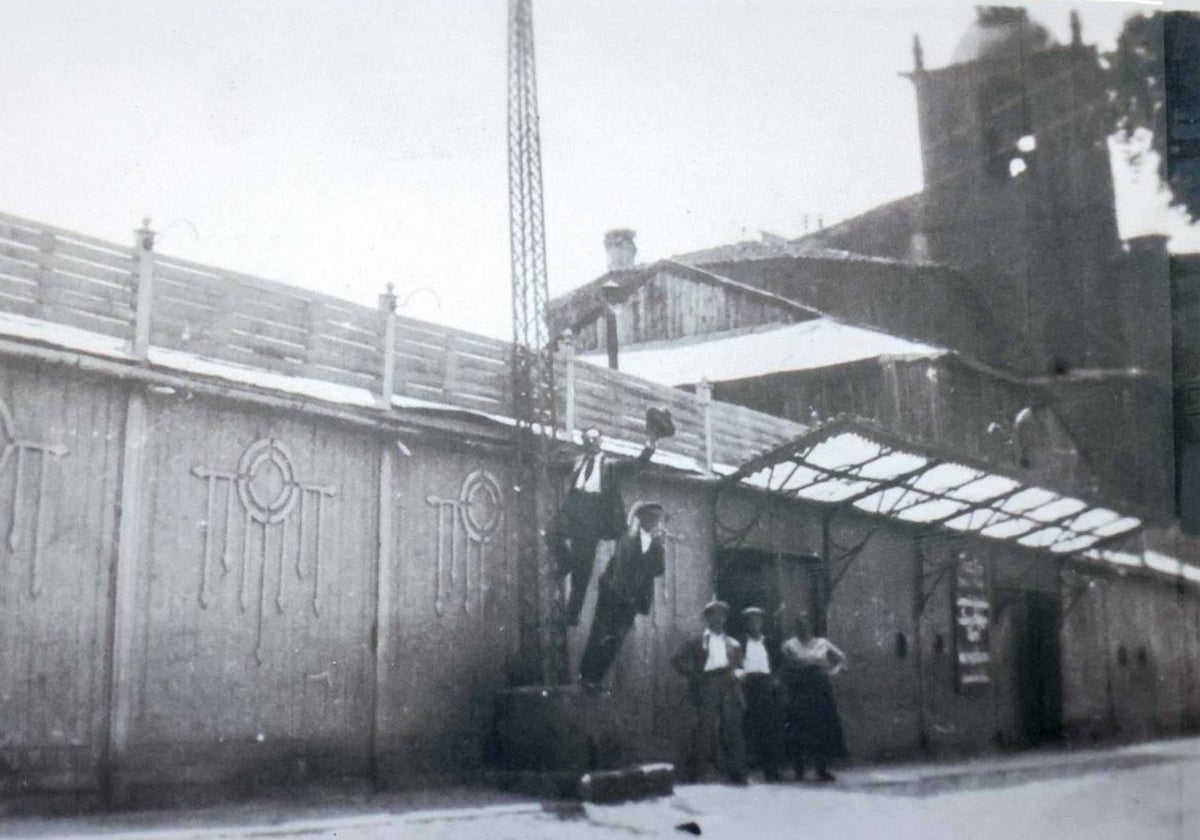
(813, 652)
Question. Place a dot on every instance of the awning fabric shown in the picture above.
(851, 465)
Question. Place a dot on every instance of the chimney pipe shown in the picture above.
(621, 249)
(611, 292)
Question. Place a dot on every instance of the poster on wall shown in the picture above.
(971, 618)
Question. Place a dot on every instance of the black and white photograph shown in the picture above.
(599, 419)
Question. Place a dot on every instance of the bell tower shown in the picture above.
(1018, 188)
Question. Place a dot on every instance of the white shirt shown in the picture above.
(718, 656)
(756, 661)
(647, 538)
(589, 483)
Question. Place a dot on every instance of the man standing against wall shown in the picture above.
(709, 662)
(763, 723)
(593, 511)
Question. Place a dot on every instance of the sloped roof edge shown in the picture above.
(584, 303)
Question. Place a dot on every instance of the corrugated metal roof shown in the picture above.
(809, 345)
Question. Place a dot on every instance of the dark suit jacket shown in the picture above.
(629, 576)
(612, 470)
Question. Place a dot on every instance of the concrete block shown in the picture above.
(639, 782)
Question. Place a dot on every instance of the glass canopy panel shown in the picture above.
(1057, 509)
(1123, 558)
(943, 477)
(931, 510)
(892, 465)
(1094, 518)
(1044, 537)
(1029, 498)
(980, 518)
(1125, 523)
(1078, 542)
(843, 452)
(1162, 563)
(1120, 558)
(961, 523)
(987, 487)
(834, 490)
(789, 476)
(887, 499)
(1009, 528)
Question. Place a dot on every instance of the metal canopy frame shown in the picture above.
(853, 464)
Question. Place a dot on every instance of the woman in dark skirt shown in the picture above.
(814, 729)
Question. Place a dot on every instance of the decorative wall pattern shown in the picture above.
(265, 496)
(465, 527)
(21, 451)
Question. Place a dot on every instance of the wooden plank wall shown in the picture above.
(669, 306)
(58, 490)
(454, 605)
(249, 647)
(252, 638)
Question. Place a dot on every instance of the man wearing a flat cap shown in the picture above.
(626, 591)
(760, 679)
(709, 661)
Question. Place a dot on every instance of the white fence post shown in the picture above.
(704, 398)
(144, 247)
(568, 353)
(387, 304)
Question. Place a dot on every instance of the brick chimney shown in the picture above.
(621, 250)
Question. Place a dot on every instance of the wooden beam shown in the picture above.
(124, 588)
(383, 596)
(451, 420)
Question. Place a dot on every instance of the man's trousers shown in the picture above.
(718, 738)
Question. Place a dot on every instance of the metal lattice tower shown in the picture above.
(542, 649)
(527, 229)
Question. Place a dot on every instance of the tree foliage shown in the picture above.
(1155, 85)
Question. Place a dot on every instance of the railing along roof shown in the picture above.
(227, 321)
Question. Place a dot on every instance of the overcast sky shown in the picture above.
(342, 145)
